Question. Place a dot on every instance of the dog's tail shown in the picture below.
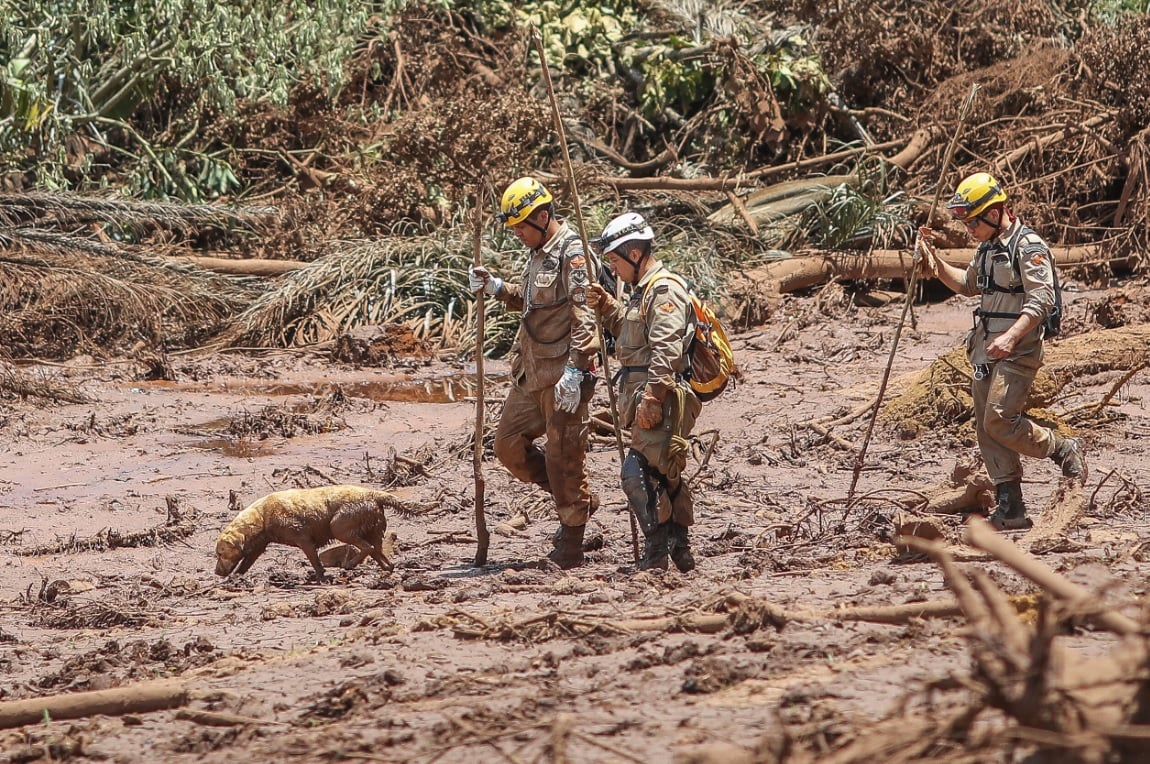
(385, 500)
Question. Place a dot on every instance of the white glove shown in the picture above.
(567, 390)
(479, 277)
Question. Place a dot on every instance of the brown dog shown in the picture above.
(308, 518)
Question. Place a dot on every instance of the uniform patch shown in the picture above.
(667, 307)
(1038, 258)
(544, 280)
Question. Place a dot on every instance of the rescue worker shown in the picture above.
(653, 330)
(551, 360)
(1013, 271)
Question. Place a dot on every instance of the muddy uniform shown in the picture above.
(557, 329)
(1009, 285)
(654, 329)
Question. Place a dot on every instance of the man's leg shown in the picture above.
(642, 491)
(520, 424)
(565, 460)
(1004, 433)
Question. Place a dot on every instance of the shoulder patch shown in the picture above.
(667, 307)
(1037, 259)
(579, 261)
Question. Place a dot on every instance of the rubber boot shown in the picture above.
(568, 551)
(656, 549)
(1068, 455)
(681, 548)
(1010, 514)
(592, 505)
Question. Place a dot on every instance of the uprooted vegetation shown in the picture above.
(436, 109)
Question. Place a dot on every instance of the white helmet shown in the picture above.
(630, 226)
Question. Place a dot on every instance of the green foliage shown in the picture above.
(796, 74)
(88, 65)
(1111, 9)
(576, 35)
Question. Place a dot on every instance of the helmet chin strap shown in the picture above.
(541, 229)
(634, 265)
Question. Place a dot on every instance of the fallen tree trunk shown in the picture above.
(133, 699)
(808, 270)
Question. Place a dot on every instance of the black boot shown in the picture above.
(1010, 514)
(656, 548)
(592, 505)
(568, 551)
(1068, 455)
(681, 548)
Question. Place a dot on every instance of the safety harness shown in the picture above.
(987, 284)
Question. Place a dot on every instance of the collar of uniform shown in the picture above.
(1004, 239)
(552, 245)
(657, 268)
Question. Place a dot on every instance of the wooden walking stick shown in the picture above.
(592, 277)
(912, 283)
(481, 532)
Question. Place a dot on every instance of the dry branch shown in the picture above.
(133, 699)
(981, 535)
(247, 267)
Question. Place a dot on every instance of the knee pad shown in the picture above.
(640, 491)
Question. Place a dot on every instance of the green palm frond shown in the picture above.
(419, 281)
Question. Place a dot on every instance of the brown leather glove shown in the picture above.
(649, 412)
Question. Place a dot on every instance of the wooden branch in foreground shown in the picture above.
(133, 699)
(250, 267)
(979, 534)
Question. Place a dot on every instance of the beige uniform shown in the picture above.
(654, 329)
(1010, 284)
(557, 330)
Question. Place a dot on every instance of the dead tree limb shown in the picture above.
(249, 267)
(133, 699)
(980, 535)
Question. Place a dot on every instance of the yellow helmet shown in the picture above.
(974, 195)
(521, 198)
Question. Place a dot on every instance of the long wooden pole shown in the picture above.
(481, 532)
(911, 285)
(592, 276)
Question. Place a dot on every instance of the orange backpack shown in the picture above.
(710, 355)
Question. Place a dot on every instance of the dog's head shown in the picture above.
(229, 552)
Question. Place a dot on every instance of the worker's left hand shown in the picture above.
(567, 390)
(649, 412)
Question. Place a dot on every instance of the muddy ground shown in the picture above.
(440, 661)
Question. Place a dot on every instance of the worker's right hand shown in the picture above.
(599, 300)
(479, 278)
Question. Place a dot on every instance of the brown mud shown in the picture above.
(110, 509)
